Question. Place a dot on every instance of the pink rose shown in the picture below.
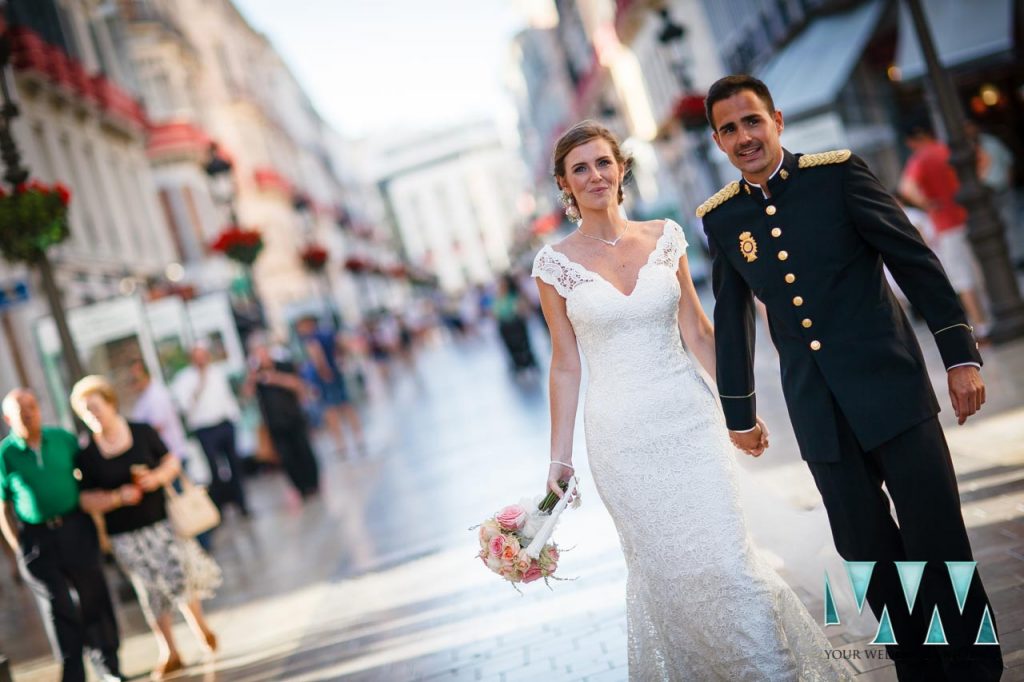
(552, 552)
(533, 573)
(511, 551)
(497, 545)
(512, 517)
(523, 561)
(488, 529)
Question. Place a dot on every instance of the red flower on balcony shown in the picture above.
(33, 218)
(689, 110)
(355, 264)
(314, 257)
(239, 244)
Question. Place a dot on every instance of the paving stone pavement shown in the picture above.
(377, 580)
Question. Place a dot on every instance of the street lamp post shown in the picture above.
(984, 229)
(15, 174)
(223, 191)
(670, 33)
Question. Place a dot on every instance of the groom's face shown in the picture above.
(749, 134)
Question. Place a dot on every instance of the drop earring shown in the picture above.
(572, 211)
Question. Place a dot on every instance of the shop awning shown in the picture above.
(807, 75)
(962, 31)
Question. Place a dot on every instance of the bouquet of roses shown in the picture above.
(514, 542)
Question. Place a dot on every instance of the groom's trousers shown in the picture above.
(917, 471)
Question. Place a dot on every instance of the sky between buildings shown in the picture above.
(375, 66)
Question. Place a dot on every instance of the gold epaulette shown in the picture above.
(718, 198)
(824, 158)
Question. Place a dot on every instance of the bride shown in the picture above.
(701, 603)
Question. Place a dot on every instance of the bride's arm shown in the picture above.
(564, 383)
(696, 328)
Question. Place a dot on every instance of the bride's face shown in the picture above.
(593, 175)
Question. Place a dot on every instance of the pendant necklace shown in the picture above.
(609, 242)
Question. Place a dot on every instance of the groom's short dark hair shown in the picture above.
(724, 88)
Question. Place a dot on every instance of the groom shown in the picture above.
(808, 235)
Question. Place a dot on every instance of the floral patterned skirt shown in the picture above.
(165, 570)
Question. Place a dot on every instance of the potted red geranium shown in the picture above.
(314, 257)
(33, 218)
(239, 244)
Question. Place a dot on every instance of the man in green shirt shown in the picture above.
(56, 544)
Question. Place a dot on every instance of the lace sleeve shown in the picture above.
(671, 246)
(555, 269)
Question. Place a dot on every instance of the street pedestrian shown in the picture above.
(808, 234)
(56, 544)
(155, 406)
(702, 603)
(278, 389)
(203, 393)
(320, 347)
(929, 182)
(510, 309)
(995, 170)
(124, 469)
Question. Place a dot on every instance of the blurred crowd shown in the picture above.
(67, 499)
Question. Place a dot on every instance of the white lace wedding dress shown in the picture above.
(701, 603)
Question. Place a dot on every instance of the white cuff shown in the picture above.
(744, 430)
(964, 364)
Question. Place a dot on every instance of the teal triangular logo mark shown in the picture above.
(987, 631)
(936, 633)
(831, 612)
(885, 635)
(910, 577)
(859, 573)
(961, 572)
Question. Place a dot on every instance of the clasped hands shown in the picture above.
(753, 442)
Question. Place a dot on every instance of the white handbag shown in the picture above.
(191, 511)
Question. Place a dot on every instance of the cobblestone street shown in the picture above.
(377, 579)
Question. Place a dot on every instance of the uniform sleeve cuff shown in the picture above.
(957, 346)
(740, 413)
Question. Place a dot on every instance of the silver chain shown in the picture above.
(609, 242)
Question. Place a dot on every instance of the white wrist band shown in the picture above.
(563, 464)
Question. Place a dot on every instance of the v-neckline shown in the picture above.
(598, 275)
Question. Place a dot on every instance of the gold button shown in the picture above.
(776, 232)
(807, 323)
(790, 278)
(783, 255)
(798, 301)
(815, 345)
(770, 210)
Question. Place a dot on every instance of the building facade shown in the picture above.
(454, 196)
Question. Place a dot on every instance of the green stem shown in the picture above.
(551, 499)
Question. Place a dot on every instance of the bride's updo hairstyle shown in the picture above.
(583, 132)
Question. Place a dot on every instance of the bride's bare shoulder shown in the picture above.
(652, 228)
(566, 245)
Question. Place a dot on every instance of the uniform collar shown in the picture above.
(777, 182)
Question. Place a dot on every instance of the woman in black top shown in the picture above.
(124, 469)
(278, 390)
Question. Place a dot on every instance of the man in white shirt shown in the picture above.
(156, 407)
(203, 393)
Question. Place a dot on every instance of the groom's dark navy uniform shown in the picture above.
(855, 383)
